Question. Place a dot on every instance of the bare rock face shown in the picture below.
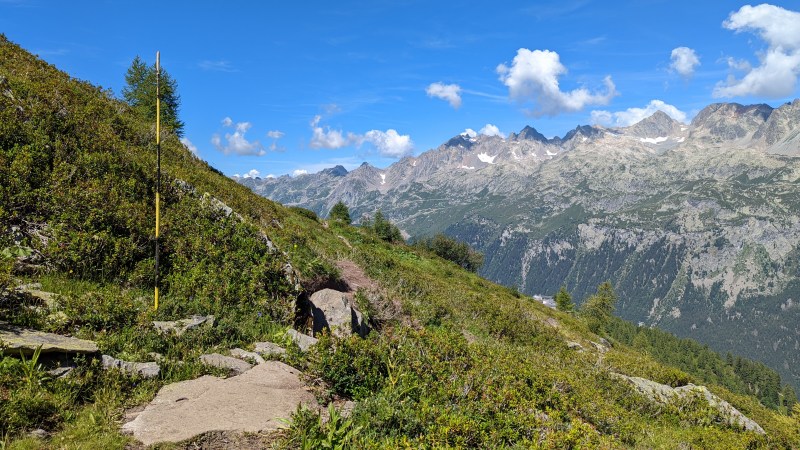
(17, 339)
(661, 393)
(334, 311)
(252, 402)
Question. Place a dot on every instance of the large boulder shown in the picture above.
(258, 400)
(663, 394)
(17, 339)
(334, 311)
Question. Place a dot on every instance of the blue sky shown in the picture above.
(279, 87)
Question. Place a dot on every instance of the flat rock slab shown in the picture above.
(18, 339)
(251, 402)
(226, 362)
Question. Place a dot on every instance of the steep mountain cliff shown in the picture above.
(695, 224)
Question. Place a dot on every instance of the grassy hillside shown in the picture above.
(457, 361)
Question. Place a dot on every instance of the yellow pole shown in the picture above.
(158, 165)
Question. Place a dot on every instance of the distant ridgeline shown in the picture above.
(697, 225)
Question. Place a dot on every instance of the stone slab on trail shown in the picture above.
(17, 339)
(252, 402)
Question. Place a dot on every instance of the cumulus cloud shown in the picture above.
(449, 92)
(469, 132)
(776, 76)
(252, 174)
(684, 60)
(633, 115)
(299, 172)
(533, 77)
(236, 142)
(325, 137)
(192, 148)
(390, 143)
(491, 130)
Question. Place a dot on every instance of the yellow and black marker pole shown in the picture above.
(158, 165)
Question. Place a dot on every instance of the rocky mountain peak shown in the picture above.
(658, 124)
(586, 131)
(731, 121)
(528, 133)
(336, 171)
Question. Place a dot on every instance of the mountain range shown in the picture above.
(695, 224)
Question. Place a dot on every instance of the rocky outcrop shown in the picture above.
(661, 393)
(255, 401)
(142, 369)
(247, 356)
(334, 311)
(17, 339)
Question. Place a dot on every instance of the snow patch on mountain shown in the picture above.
(484, 157)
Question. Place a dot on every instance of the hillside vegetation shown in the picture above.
(455, 361)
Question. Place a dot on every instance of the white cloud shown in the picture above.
(390, 143)
(533, 76)
(299, 172)
(491, 130)
(236, 142)
(275, 134)
(327, 138)
(270, 176)
(449, 92)
(776, 76)
(684, 60)
(633, 115)
(192, 148)
(469, 132)
(252, 174)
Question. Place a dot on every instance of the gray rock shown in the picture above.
(143, 369)
(226, 362)
(303, 341)
(183, 325)
(252, 402)
(333, 310)
(39, 434)
(60, 372)
(661, 393)
(574, 346)
(269, 349)
(17, 339)
(245, 355)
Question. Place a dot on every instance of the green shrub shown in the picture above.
(453, 250)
